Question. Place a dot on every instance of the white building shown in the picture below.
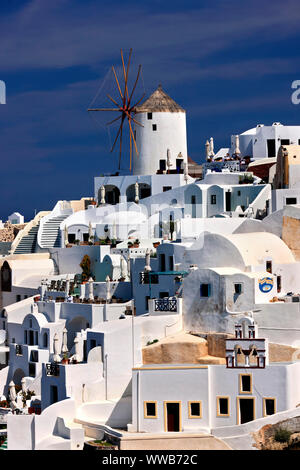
(16, 218)
(201, 398)
(264, 141)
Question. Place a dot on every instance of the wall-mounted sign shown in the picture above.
(265, 284)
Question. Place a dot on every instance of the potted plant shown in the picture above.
(65, 359)
(86, 268)
(136, 243)
(156, 244)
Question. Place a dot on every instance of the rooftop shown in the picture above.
(159, 102)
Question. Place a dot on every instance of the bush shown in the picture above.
(282, 435)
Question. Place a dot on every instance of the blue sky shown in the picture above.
(229, 63)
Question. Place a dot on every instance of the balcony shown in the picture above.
(168, 305)
(165, 305)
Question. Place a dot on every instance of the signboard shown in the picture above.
(266, 284)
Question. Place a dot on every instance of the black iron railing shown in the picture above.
(165, 305)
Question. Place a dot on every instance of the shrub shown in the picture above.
(282, 435)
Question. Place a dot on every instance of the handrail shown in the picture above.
(61, 208)
(27, 229)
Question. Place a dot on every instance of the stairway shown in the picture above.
(27, 243)
(51, 237)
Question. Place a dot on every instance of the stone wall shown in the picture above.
(10, 231)
(291, 234)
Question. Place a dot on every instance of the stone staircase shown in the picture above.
(51, 237)
(28, 242)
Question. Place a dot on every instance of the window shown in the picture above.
(71, 237)
(285, 142)
(239, 193)
(85, 237)
(195, 409)
(45, 340)
(25, 337)
(245, 383)
(238, 288)
(18, 298)
(34, 356)
(205, 290)
(222, 406)
(269, 406)
(278, 279)
(213, 199)
(290, 200)
(31, 369)
(269, 266)
(154, 127)
(166, 188)
(162, 165)
(150, 409)
(149, 116)
(171, 263)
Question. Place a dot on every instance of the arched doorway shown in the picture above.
(18, 376)
(144, 191)
(112, 194)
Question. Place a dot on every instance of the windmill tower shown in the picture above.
(161, 135)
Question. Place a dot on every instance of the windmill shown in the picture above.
(124, 103)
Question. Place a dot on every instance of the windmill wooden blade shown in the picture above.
(117, 81)
(133, 138)
(130, 146)
(126, 74)
(114, 120)
(115, 141)
(138, 102)
(103, 109)
(111, 99)
(135, 84)
(120, 94)
(134, 120)
(121, 143)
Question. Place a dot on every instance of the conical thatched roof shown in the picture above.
(159, 102)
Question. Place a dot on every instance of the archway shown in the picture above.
(18, 376)
(144, 191)
(112, 194)
(215, 201)
(193, 201)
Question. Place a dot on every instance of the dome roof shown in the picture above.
(159, 102)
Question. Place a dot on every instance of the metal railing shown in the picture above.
(165, 305)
